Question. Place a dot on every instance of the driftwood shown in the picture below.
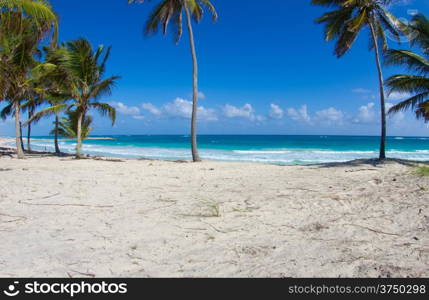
(16, 218)
(67, 204)
(373, 230)
(85, 274)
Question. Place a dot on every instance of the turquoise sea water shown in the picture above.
(249, 148)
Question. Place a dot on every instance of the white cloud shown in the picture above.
(394, 118)
(276, 112)
(152, 109)
(181, 108)
(260, 118)
(300, 115)
(396, 96)
(124, 109)
(246, 111)
(366, 114)
(8, 120)
(330, 115)
(201, 95)
(361, 91)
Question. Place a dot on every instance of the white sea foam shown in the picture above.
(259, 152)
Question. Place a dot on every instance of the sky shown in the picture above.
(264, 68)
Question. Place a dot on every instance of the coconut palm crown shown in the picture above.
(40, 11)
(416, 84)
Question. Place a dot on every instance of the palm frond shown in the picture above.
(105, 110)
(103, 88)
(409, 59)
(414, 84)
(41, 11)
(419, 32)
(168, 13)
(350, 17)
(410, 103)
(422, 111)
(68, 125)
(7, 111)
(52, 110)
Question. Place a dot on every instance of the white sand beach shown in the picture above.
(62, 217)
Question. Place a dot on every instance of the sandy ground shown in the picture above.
(61, 217)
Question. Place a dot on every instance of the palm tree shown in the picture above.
(68, 126)
(417, 84)
(38, 10)
(18, 46)
(52, 85)
(345, 23)
(23, 25)
(33, 101)
(85, 68)
(57, 105)
(172, 10)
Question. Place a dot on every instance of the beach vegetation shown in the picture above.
(54, 89)
(86, 68)
(23, 25)
(422, 171)
(416, 84)
(212, 207)
(172, 13)
(68, 126)
(347, 20)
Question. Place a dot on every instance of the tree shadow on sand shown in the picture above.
(10, 152)
(372, 162)
(7, 152)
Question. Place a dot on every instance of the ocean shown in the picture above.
(276, 149)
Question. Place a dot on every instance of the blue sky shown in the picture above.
(264, 69)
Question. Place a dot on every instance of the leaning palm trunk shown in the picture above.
(30, 114)
(195, 155)
(382, 95)
(57, 148)
(20, 136)
(19, 150)
(79, 136)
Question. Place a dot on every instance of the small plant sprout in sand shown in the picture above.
(422, 171)
(211, 209)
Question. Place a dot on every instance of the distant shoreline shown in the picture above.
(87, 139)
(258, 135)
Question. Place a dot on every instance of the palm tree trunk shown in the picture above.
(382, 94)
(19, 150)
(195, 155)
(57, 148)
(79, 136)
(30, 114)
(20, 136)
